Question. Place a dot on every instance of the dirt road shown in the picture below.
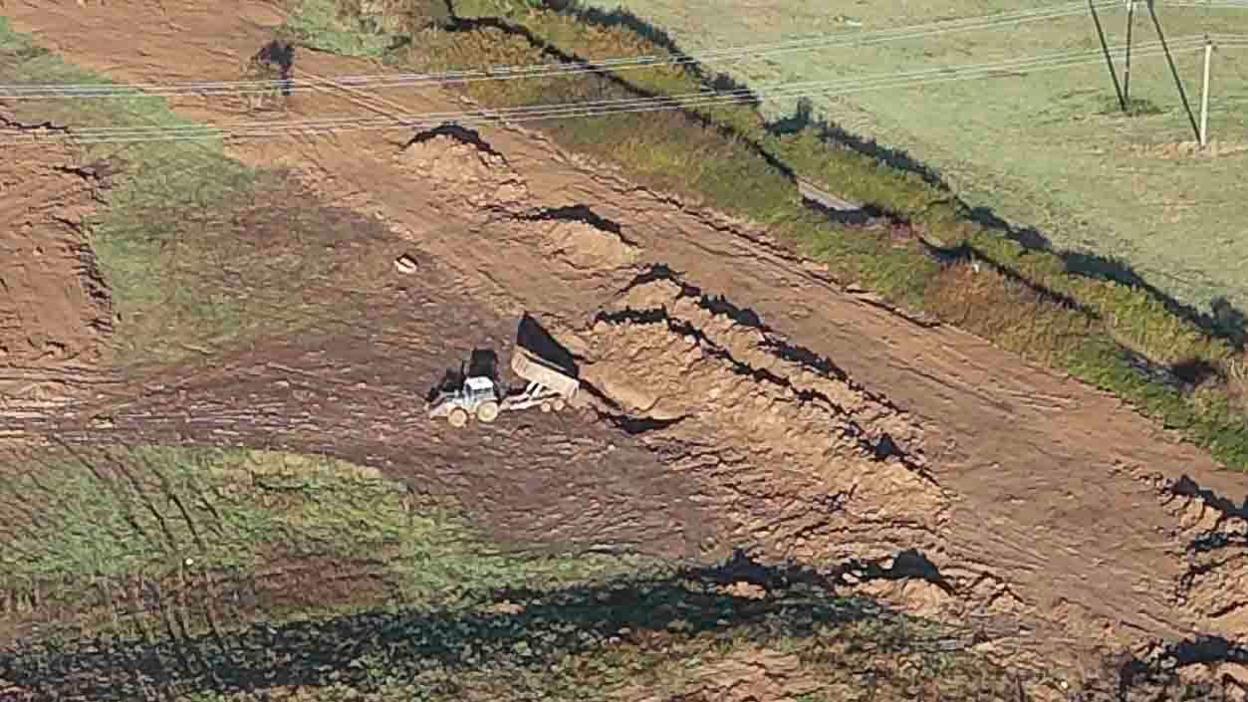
(798, 418)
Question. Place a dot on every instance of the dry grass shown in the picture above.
(1237, 381)
(984, 301)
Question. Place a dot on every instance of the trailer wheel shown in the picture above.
(545, 406)
(457, 418)
(560, 404)
(487, 412)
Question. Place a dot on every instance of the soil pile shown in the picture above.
(792, 451)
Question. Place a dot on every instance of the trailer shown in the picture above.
(548, 387)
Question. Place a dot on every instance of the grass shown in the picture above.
(82, 522)
(627, 638)
(363, 28)
(733, 158)
(1050, 149)
(190, 242)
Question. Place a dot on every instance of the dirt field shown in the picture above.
(747, 401)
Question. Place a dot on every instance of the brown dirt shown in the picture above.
(742, 676)
(1012, 496)
(54, 308)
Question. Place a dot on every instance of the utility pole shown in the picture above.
(1113, 74)
(1204, 96)
(1173, 71)
(1126, 72)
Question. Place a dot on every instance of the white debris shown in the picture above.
(405, 264)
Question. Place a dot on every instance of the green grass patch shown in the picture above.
(109, 514)
(363, 28)
(77, 523)
(728, 157)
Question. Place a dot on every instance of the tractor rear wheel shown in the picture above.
(457, 418)
(487, 412)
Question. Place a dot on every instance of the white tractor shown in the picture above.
(548, 388)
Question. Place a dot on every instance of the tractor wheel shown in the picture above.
(560, 403)
(487, 412)
(457, 418)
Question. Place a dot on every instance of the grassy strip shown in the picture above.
(190, 242)
(728, 156)
(74, 523)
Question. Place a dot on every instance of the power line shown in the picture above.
(745, 92)
(545, 70)
(545, 112)
(708, 98)
(516, 72)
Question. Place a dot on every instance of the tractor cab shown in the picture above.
(476, 395)
(478, 389)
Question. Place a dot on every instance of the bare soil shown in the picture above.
(746, 399)
(54, 308)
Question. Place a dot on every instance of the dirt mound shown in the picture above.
(54, 307)
(797, 453)
(1214, 529)
(457, 159)
(53, 304)
(581, 245)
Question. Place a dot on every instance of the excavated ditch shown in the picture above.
(1213, 532)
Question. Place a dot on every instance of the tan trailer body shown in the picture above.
(535, 369)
